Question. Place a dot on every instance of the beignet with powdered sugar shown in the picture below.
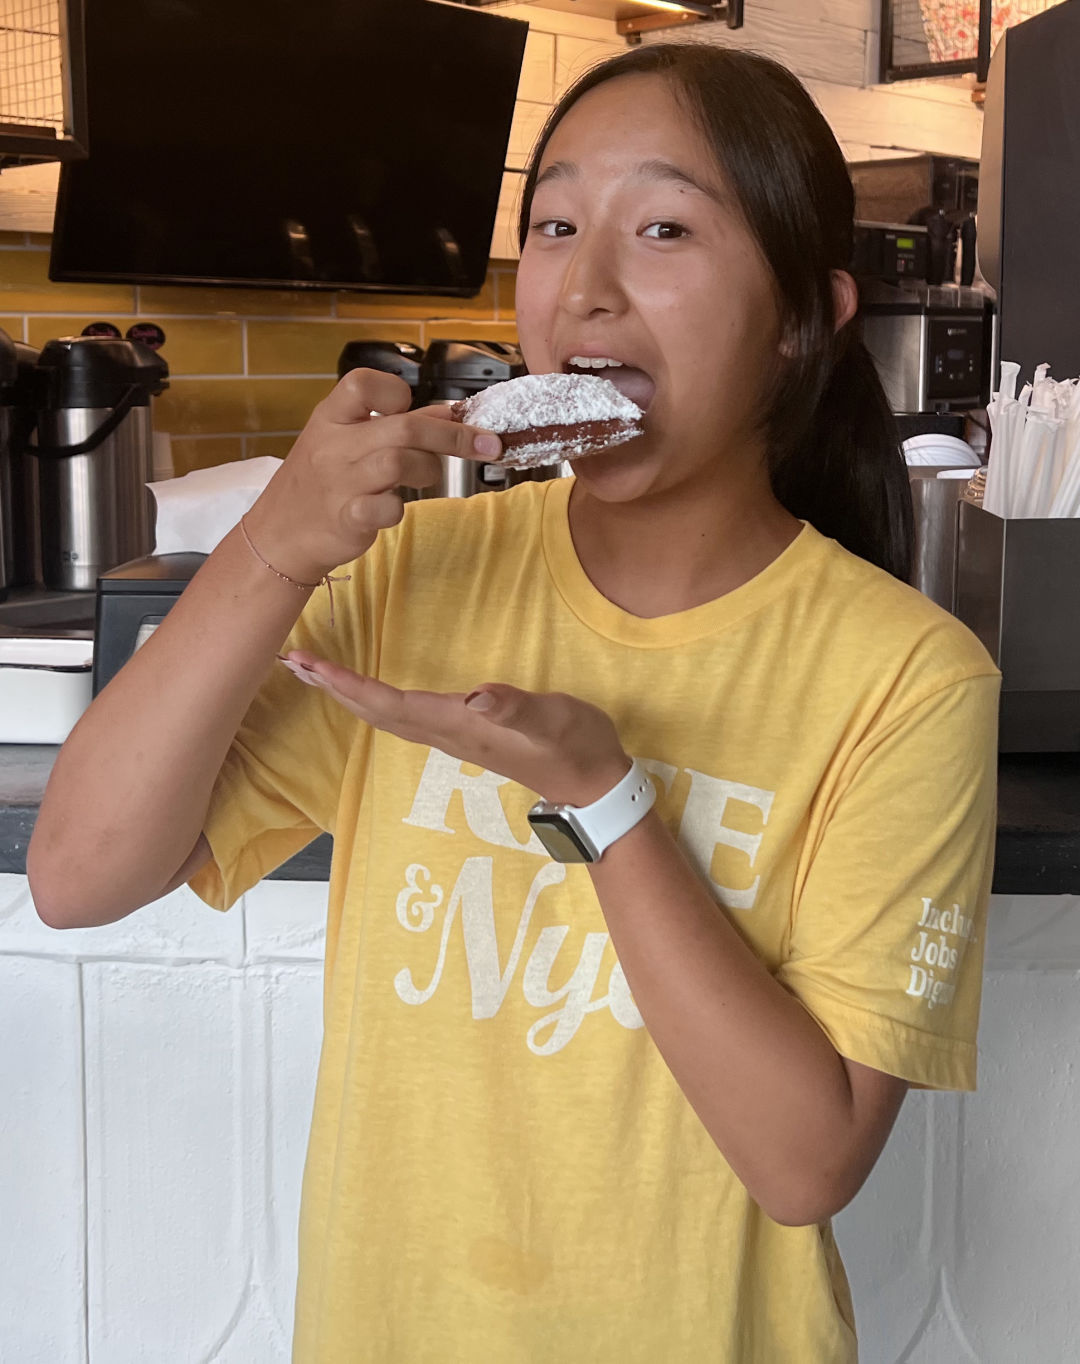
(546, 418)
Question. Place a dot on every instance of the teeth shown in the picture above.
(594, 362)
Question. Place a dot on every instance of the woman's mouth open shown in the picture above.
(632, 383)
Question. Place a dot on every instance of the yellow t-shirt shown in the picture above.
(501, 1167)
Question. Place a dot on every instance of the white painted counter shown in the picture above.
(157, 1078)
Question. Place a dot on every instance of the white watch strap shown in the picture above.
(615, 814)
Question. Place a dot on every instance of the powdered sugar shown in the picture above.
(548, 400)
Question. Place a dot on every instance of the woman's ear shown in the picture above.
(845, 305)
(845, 297)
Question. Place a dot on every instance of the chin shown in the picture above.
(623, 473)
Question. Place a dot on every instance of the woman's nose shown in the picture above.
(591, 283)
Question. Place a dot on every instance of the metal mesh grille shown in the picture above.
(31, 72)
(948, 30)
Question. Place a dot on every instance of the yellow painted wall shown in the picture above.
(246, 365)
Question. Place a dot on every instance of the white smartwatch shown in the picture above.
(581, 833)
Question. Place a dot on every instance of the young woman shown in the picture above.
(600, 1110)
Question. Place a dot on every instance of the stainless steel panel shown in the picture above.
(935, 503)
(980, 558)
(897, 342)
(1018, 589)
(930, 359)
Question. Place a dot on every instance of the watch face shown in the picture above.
(561, 839)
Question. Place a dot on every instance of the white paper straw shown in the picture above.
(1045, 474)
(1034, 465)
(1010, 372)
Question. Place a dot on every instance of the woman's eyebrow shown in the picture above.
(558, 170)
(655, 169)
(660, 169)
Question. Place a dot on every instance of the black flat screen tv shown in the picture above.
(321, 144)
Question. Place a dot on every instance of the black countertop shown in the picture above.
(1038, 842)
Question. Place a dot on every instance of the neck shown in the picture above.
(678, 548)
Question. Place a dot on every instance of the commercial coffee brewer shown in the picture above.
(929, 318)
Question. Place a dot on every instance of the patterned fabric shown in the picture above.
(952, 26)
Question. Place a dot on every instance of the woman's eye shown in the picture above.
(665, 231)
(553, 227)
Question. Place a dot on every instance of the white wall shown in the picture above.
(833, 46)
(157, 1080)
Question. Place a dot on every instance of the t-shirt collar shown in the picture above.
(594, 610)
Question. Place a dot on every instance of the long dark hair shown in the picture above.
(833, 448)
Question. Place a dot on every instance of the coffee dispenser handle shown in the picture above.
(103, 432)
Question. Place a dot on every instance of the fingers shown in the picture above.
(441, 411)
(551, 719)
(396, 467)
(412, 715)
(363, 391)
(371, 513)
(417, 431)
(534, 715)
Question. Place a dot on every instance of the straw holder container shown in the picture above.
(1018, 589)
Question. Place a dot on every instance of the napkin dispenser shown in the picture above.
(1018, 590)
(132, 601)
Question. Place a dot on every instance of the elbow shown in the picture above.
(810, 1200)
(51, 919)
(49, 912)
(54, 907)
(65, 897)
(804, 1213)
(48, 905)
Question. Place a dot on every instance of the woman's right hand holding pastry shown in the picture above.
(338, 486)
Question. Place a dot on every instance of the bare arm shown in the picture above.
(198, 859)
(121, 820)
(125, 803)
(800, 1125)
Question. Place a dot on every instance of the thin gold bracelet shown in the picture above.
(326, 579)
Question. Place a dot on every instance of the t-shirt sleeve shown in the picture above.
(280, 784)
(886, 943)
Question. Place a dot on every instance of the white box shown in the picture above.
(45, 685)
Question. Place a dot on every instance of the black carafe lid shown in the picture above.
(392, 357)
(22, 395)
(98, 371)
(18, 381)
(455, 368)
